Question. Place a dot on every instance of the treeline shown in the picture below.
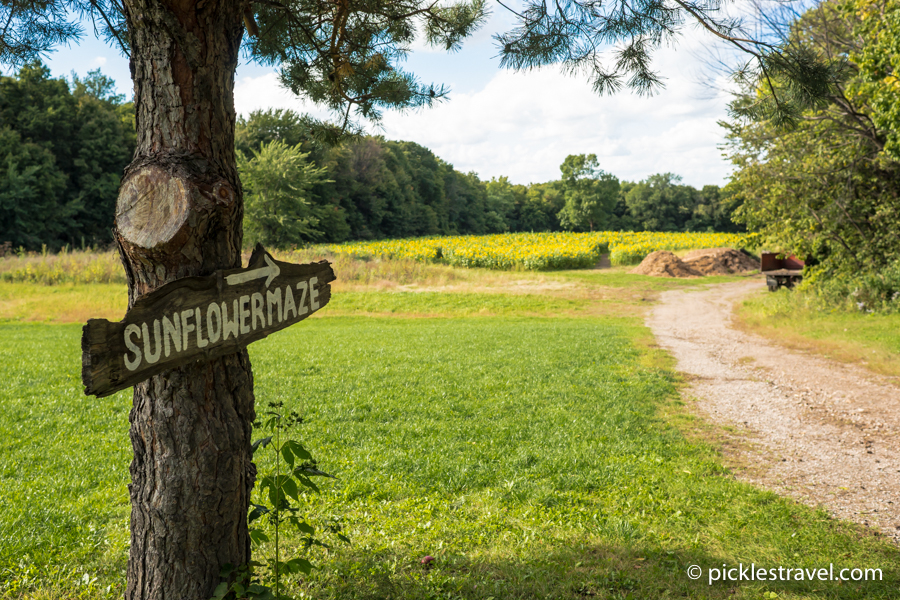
(374, 188)
(62, 151)
(64, 145)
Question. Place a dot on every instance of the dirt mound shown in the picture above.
(703, 252)
(720, 261)
(664, 264)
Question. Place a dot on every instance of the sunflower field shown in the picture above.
(535, 251)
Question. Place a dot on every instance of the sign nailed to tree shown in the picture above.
(200, 318)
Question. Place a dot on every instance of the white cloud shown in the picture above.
(99, 61)
(523, 125)
(264, 92)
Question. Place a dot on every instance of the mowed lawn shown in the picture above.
(532, 455)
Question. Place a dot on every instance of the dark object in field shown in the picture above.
(781, 272)
(200, 318)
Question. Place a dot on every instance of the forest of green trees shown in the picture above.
(823, 185)
(63, 146)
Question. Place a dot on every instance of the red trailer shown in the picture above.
(781, 272)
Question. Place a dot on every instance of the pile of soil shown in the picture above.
(720, 261)
(690, 254)
(665, 264)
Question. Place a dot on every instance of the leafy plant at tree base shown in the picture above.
(290, 471)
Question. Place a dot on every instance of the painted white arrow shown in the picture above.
(271, 272)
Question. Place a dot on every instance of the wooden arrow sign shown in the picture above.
(198, 318)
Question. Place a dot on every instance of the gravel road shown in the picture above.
(825, 433)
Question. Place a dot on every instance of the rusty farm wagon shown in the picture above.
(781, 272)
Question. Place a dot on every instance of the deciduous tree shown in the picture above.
(590, 193)
(828, 188)
(66, 191)
(660, 203)
(278, 207)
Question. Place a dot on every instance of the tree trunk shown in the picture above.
(179, 214)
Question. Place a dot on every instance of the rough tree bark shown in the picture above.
(179, 214)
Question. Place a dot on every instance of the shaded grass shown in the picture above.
(869, 340)
(534, 458)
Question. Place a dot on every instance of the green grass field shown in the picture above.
(533, 444)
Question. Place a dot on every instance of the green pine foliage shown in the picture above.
(347, 57)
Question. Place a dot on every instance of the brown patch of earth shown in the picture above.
(822, 432)
(603, 263)
(720, 261)
(704, 252)
(696, 263)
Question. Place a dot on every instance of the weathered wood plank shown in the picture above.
(201, 318)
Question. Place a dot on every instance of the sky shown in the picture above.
(519, 125)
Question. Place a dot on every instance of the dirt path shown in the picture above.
(825, 433)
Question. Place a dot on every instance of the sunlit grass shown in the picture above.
(64, 303)
(63, 469)
(400, 288)
(77, 267)
(869, 340)
(532, 444)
